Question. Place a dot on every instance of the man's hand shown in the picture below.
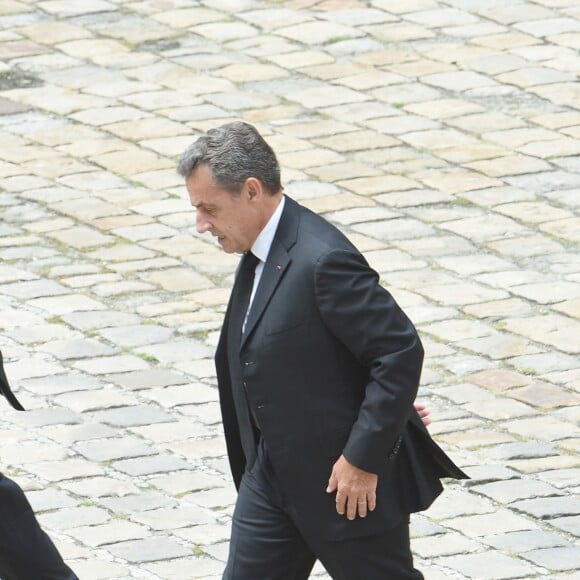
(355, 489)
(424, 412)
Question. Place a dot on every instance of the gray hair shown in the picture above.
(233, 152)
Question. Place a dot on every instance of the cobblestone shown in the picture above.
(442, 137)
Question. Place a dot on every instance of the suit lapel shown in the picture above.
(274, 269)
(276, 265)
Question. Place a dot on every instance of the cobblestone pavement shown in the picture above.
(441, 136)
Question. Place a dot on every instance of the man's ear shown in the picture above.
(254, 188)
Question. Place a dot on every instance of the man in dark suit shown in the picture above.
(317, 370)
(26, 552)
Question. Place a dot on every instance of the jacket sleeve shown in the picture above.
(361, 314)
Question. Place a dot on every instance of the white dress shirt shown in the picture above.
(261, 249)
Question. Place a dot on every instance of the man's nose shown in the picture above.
(202, 225)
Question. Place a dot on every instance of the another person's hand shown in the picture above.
(355, 489)
(424, 413)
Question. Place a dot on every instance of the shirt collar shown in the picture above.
(263, 243)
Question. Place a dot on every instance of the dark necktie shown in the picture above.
(243, 290)
(240, 300)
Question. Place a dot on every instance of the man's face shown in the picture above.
(233, 220)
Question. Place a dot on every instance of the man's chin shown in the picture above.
(226, 247)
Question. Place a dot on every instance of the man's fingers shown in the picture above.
(355, 489)
(340, 503)
(372, 501)
(351, 508)
(332, 484)
(362, 507)
(423, 412)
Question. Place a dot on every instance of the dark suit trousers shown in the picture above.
(266, 543)
(26, 552)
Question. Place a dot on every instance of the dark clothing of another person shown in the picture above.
(26, 552)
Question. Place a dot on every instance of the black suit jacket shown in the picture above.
(329, 365)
